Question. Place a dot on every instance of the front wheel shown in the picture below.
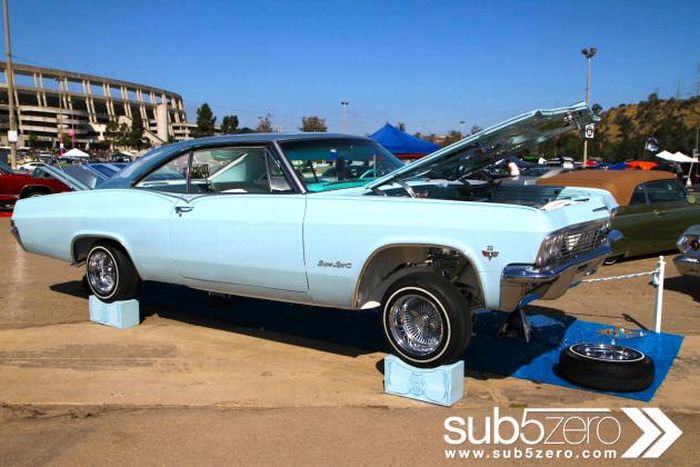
(110, 273)
(426, 320)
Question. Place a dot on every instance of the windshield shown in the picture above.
(325, 165)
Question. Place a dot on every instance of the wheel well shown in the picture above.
(30, 189)
(387, 265)
(83, 245)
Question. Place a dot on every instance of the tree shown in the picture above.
(113, 134)
(475, 129)
(31, 140)
(123, 135)
(229, 124)
(265, 124)
(206, 122)
(135, 134)
(313, 124)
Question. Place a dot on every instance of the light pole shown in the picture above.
(344, 105)
(12, 134)
(461, 127)
(588, 54)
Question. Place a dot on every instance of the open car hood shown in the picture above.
(476, 151)
(60, 175)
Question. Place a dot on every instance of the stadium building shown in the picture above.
(51, 102)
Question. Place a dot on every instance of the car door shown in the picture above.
(674, 212)
(240, 224)
(637, 223)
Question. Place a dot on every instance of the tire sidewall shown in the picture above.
(116, 266)
(607, 375)
(392, 296)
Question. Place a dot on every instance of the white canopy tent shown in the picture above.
(683, 158)
(75, 152)
(676, 157)
(680, 158)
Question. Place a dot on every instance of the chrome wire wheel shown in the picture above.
(416, 324)
(102, 272)
(607, 352)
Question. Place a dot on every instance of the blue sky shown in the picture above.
(427, 63)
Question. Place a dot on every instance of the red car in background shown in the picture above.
(14, 186)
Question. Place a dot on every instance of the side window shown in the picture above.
(233, 170)
(237, 170)
(171, 177)
(664, 191)
(638, 197)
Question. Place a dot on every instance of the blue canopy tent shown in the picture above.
(401, 144)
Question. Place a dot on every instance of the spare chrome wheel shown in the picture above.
(607, 352)
(606, 367)
(426, 320)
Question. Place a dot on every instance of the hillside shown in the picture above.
(624, 129)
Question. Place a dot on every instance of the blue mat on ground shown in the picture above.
(537, 360)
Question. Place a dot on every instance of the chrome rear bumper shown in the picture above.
(15, 233)
(523, 283)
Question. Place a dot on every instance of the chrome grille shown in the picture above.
(580, 240)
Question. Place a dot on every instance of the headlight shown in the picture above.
(688, 243)
(550, 249)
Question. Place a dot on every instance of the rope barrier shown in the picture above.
(657, 280)
(624, 276)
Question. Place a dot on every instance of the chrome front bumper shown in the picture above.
(523, 283)
(687, 264)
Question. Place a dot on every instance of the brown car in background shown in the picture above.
(654, 208)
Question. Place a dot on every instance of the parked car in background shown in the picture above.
(29, 166)
(251, 215)
(19, 185)
(654, 207)
(94, 173)
(688, 262)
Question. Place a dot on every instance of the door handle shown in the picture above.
(182, 209)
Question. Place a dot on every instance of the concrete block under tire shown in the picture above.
(606, 367)
(118, 314)
(443, 385)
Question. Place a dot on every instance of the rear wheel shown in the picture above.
(426, 320)
(610, 260)
(110, 273)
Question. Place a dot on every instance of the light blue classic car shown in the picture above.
(263, 215)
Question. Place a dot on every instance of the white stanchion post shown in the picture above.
(659, 302)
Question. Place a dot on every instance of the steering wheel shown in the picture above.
(371, 173)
